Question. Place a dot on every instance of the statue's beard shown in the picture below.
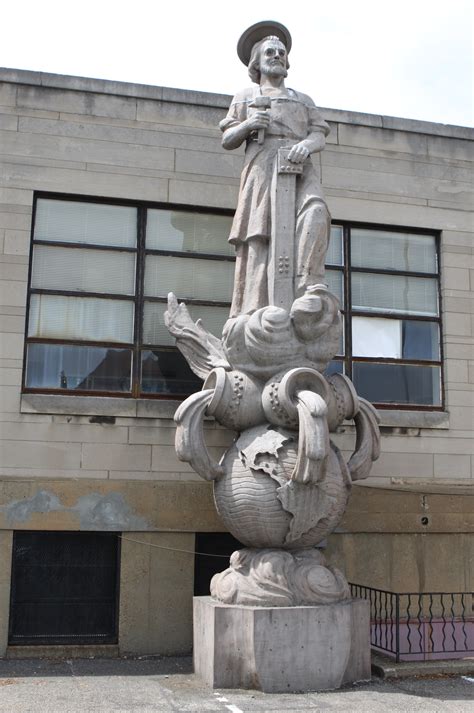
(273, 69)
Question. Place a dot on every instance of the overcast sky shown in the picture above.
(409, 58)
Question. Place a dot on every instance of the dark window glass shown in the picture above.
(334, 367)
(64, 588)
(166, 371)
(213, 551)
(397, 383)
(420, 340)
(59, 366)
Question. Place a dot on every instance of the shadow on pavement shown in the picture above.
(149, 666)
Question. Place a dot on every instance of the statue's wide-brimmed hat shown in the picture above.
(257, 32)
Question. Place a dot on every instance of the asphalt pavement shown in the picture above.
(168, 685)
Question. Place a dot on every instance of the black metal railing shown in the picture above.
(419, 626)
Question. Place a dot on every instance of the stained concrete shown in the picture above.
(189, 506)
(281, 649)
(95, 511)
(156, 588)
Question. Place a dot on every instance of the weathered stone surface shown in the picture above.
(282, 484)
(274, 578)
(162, 563)
(282, 649)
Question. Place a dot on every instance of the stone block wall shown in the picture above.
(108, 139)
(115, 140)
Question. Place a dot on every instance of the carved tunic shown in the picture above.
(292, 119)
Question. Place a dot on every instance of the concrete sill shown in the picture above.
(154, 408)
(402, 420)
(86, 651)
(97, 406)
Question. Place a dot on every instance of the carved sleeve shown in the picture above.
(237, 113)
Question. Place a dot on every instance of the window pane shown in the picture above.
(165, 371)
(398, 383)
(83, 270)
(154, 328)
(382, 249)
(394, 293)
(334, 254)
(90, 318)
(184, 231)
(373, 337)
(188, 277)
(394, 338)
(420, 340)
(333, 280)
(96, 223)
(56, 366)
(334, 367)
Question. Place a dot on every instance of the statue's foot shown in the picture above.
(279, 578)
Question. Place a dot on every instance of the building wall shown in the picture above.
(116, 140)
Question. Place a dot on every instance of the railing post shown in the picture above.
(397, 628)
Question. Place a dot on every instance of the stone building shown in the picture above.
(113, 194)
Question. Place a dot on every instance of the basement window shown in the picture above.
(64, 588)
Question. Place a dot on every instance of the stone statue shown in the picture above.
(283, 486)
(268, 117)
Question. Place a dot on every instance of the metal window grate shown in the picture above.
(64, 588)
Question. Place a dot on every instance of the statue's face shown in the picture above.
(273, 58)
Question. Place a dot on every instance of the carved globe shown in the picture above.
(263, 507)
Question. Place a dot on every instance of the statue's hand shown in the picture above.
(298, 153)
(258, 120)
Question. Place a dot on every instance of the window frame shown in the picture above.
(141, 251)
(139, 299)
(348, 312)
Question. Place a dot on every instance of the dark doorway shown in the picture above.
(207, 565)
(64, 588)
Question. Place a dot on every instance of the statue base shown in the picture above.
(281, 649)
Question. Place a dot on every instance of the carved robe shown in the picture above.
(292, 119)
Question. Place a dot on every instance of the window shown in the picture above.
(101, 272)
(388, 283)
(99, 279)
(64, 588)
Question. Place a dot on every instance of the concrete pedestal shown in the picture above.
(278, 649)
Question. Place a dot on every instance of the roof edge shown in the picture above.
(201, 98)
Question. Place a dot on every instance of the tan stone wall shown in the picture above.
(156, 591)
(406, 562)
(122, 141)
(90, 137)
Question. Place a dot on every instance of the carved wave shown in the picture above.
(277, 578)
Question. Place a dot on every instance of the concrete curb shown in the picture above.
(385, 668)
